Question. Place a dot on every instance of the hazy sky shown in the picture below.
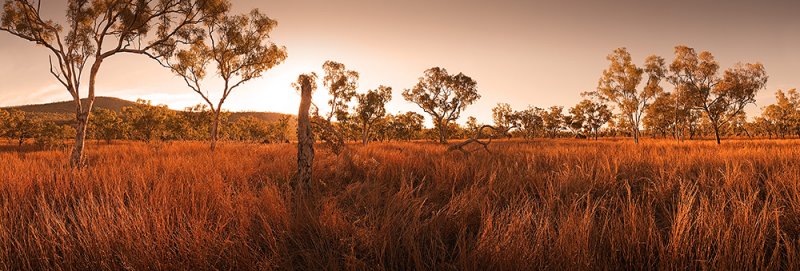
(524, 52)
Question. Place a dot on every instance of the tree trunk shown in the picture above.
(214, 130)
(82, 120)
(364, 134)
(82, 112)
(442, 132)
(716, 132)
(634, 129)
(305, 140)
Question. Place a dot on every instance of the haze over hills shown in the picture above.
(66, 109)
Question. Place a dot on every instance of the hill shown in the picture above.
(67, 107)
(65, 110)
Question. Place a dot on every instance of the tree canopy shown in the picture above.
(443, 96)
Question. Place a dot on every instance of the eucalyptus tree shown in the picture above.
(443, 96)
(341, 84)
(371, 107)
(783, 115)
(239, 48)
(719, 97)
(620, 82)
(593, 115)
(95, 31)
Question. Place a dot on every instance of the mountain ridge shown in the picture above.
(67, 109)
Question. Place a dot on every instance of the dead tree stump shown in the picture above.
(305, 137)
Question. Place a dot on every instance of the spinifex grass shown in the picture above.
(544, 204)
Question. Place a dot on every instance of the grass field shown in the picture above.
(544, 204)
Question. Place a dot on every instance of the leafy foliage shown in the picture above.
(443, 96)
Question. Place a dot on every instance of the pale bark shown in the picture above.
(215, 131)
(83, 111)
(305, 140)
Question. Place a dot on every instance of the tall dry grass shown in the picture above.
(545, 204)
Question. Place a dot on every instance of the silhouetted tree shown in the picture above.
(96, 31)
(620, 81)
(443, 96)
(718, 97)
(371, 107)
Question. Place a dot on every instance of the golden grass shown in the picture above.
(545, 204)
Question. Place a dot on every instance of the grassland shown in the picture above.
(544, 204)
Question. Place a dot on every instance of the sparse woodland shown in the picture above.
(659, 167)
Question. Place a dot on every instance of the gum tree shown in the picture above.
(239, 48)
(96, 31)
(341, 84)
(593, 114)
(620, 81)
(371, 107)
(443, 96)
(719, 97)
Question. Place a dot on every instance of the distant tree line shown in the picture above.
(589, 119)
(144, 122)
(147, 122)
(632, 100)
(367, 122)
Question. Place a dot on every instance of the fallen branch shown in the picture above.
(476, 139)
